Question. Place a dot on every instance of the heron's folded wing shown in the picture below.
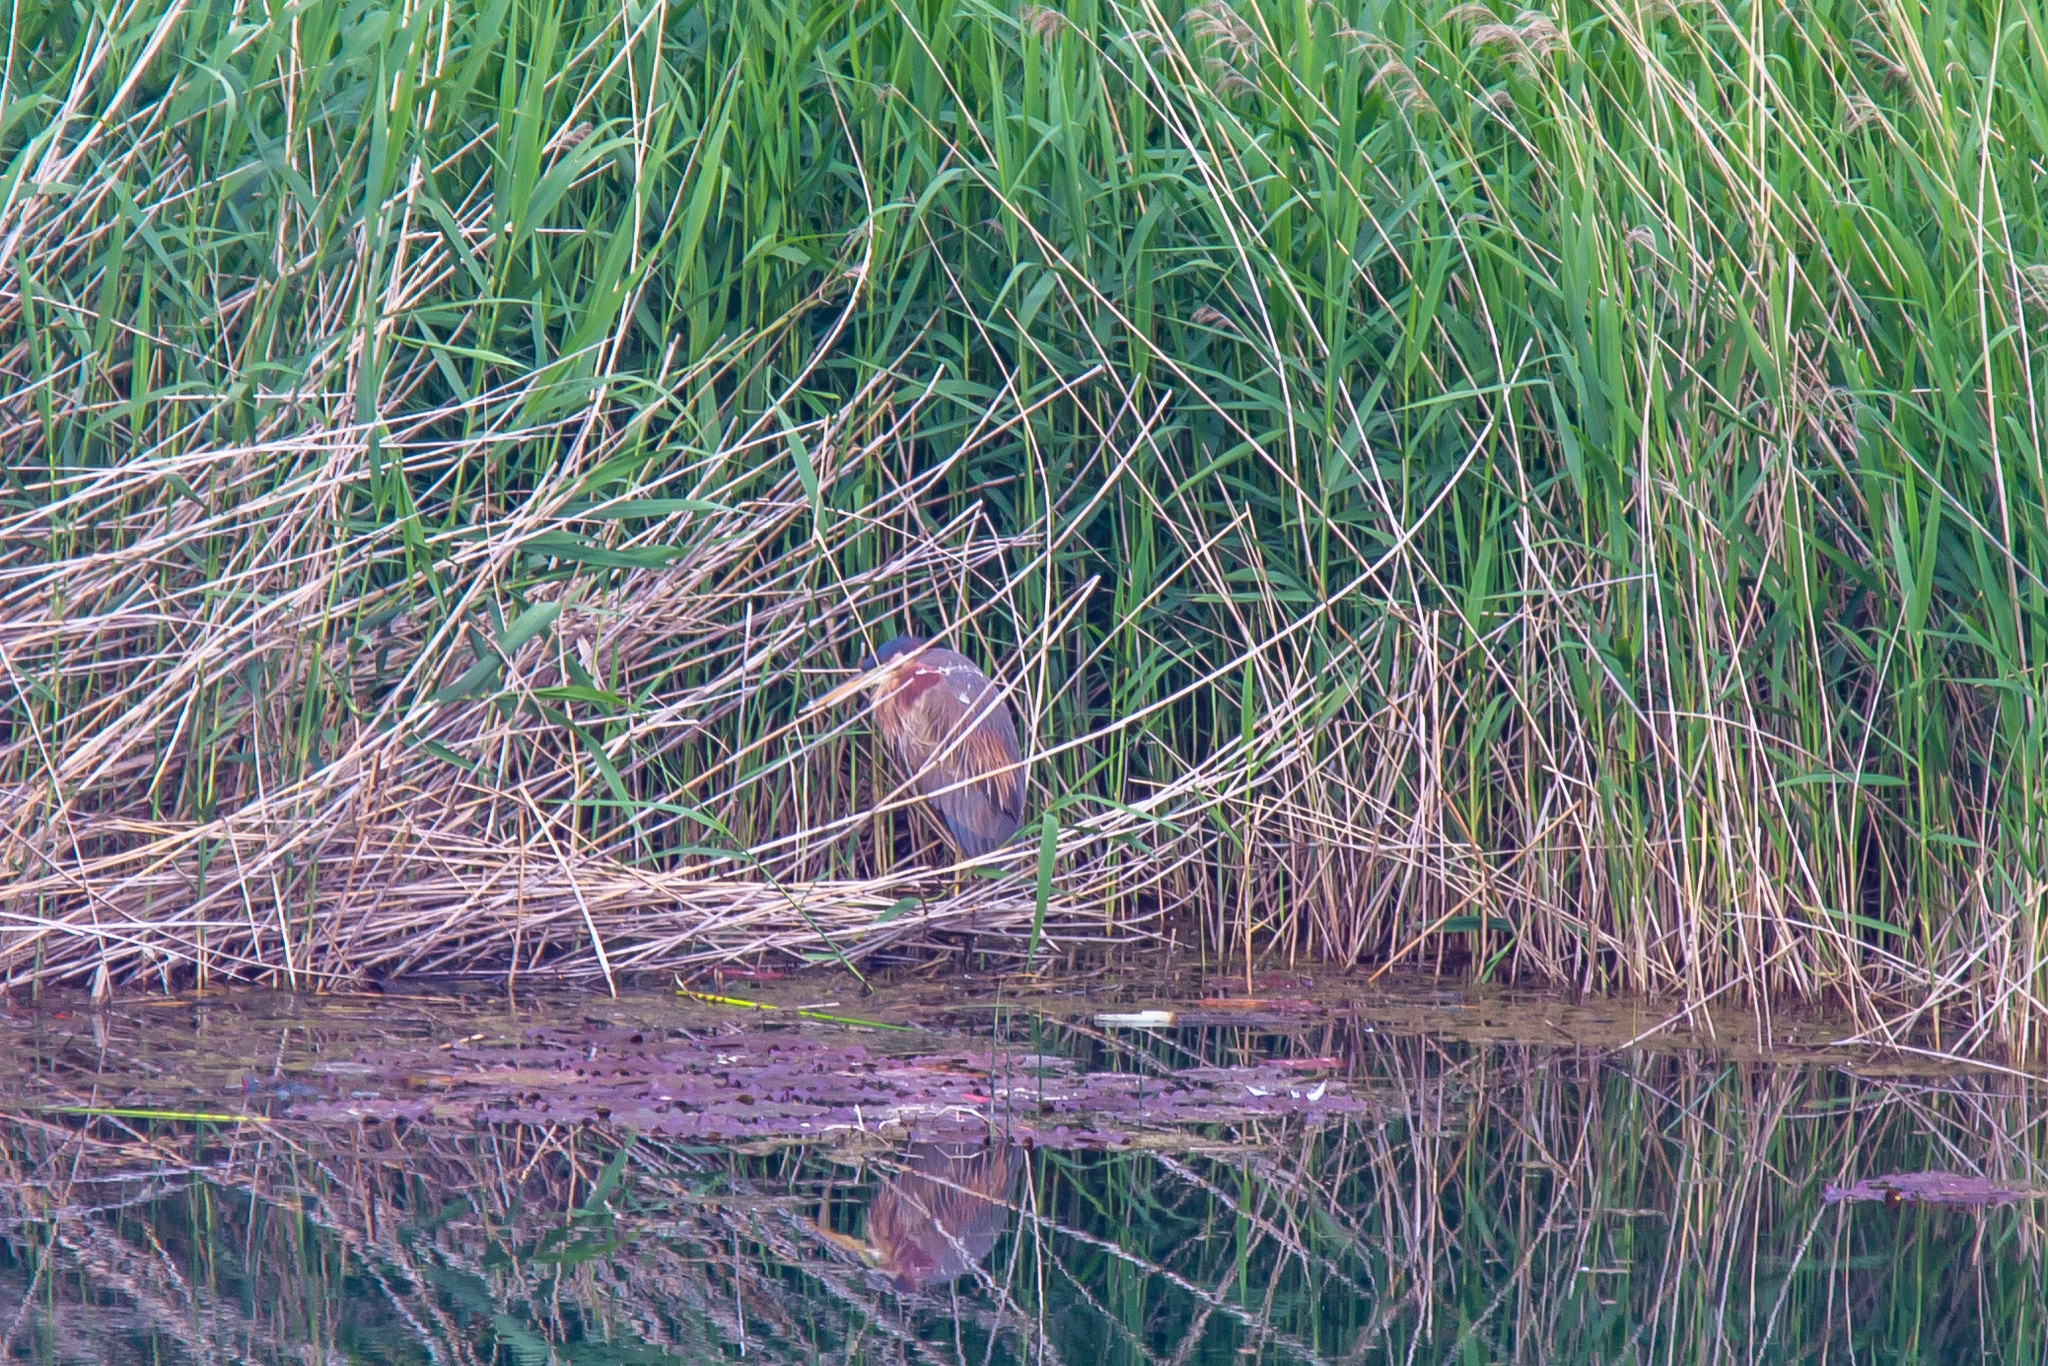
(974, 778)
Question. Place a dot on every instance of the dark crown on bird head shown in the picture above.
(902, 645)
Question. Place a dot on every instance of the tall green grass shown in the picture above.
(1560, 491)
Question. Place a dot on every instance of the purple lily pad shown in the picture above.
(1932, 1188)
(791, 1086)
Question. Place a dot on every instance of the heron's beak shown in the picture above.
(846, 1242)
(851, 688)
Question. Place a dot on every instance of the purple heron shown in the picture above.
(940, 1216)
(951, 731)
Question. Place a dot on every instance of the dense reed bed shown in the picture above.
(1558, 490)
(1513, 1204)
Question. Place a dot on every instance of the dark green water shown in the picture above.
(1483, 1200)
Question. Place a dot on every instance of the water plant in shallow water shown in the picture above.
(789, 1086)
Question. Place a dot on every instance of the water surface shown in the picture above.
(1298, 1173)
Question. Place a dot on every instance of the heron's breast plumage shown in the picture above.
(896, 706)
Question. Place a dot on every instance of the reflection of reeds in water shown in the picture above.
(1516, 1204)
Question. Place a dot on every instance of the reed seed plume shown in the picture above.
(1041, 21)
(1402, 85)
(1471, 14)
(1220, 25)
(1231, 62)
(1598, 537)
(1530, 41)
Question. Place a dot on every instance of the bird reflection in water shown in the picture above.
(933, 1221)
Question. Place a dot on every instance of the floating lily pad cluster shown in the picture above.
(1934, 1188)
(796, 1085)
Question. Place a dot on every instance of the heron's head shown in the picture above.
(878, 669)
(903, 647)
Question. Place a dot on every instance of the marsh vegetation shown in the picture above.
(1553, 492)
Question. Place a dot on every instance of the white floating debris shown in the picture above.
(1136, 1019)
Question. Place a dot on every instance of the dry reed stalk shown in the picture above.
(440, 832)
